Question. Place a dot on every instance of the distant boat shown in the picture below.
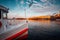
(58, 19)
(26, 21)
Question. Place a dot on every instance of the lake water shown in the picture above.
(44, 30)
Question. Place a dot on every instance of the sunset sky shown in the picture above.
(39, 7)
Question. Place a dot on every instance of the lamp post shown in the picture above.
(29, 5)
(25, 15)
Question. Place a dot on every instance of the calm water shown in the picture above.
(44, 30)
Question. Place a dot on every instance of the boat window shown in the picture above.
(4, 15)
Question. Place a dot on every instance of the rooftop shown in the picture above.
(4, 8)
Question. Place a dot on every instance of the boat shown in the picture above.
(11, 32)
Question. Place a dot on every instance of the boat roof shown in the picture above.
(4, 8)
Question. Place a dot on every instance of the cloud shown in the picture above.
(36, 9)
(16, 12)
(43, 0)
(39, 8)
(22, 2)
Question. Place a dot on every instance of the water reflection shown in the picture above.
(45, 22)
(44, 29)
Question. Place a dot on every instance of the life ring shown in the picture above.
(0, 24)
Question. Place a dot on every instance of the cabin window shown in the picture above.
(4, 15)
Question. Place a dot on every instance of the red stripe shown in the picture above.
(18, 34)
(0, 24)
(23, 37)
